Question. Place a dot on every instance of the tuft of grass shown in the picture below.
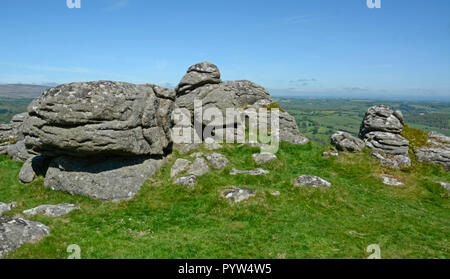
(8, 140)
(274, 106)
(417, 138)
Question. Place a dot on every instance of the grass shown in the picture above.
(169, 221)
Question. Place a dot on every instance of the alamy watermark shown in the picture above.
(71, 4)
(375, 250)
(374, 4)
(210, 125)
(74, 252)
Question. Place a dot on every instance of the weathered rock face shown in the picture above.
(238, 194)
(202, 82)
(109, 179)
(199, 167)
(394, 161)
(102, 117)
(52, 210)
(198, 75)
(179, 166)
(387, 142)
(391, 181)
(217, 161)
(18, 152)
(346, 142)
(14, 130)
(5, 207)
(36, 165)
(445, 185)
(14, 232)
(311, 181)
(381, 130)
(188, 181)
(438, 151)
(381, 119)
(264, 157)
(258, 171)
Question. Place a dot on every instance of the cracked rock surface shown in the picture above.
(14, 232)
(52, 210)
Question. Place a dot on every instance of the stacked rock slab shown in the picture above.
(102, 117)
(346, 142)
(380, 130)
(105, 138)
(12, 138)
(437, 151)
(14, 232)
(202, 82)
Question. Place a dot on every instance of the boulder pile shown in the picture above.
(380, 130)
(103, 139)
(437, 151)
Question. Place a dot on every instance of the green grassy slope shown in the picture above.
(169, 221)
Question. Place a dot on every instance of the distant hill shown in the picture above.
(22, 90)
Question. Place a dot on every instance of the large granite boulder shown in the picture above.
(14, 232)
(198, 75)
(387, 142)
(102, 117)
(14, 130)
(380, 130)
(108, 178)
(36, 165)
(18, 151)
(240, 94)
(437, 151)
(51, 210)
(346, 142)
(382, 118)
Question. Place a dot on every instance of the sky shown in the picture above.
(293, 48)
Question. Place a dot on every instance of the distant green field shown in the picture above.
(318, 119)
(11, 106)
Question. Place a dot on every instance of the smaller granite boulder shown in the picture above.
(179, 166)
(394, 161)
(346, 142)
(312, 181)
(14, 232)
(257, 171)
(18, 152)
(33, 166)
(198, 75)
(217, 161)
(211, 144)
(445, 185)
(5, 207)
(391, 181)
(264, 157)
(438, 151)
(186, 181)
(197, 155)
(52, 210)
(330, 154)
(199, 167)
(388, 143)
(275, 193)
(238, 194)
(102, 178)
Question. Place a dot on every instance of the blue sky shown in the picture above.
(299, 47)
